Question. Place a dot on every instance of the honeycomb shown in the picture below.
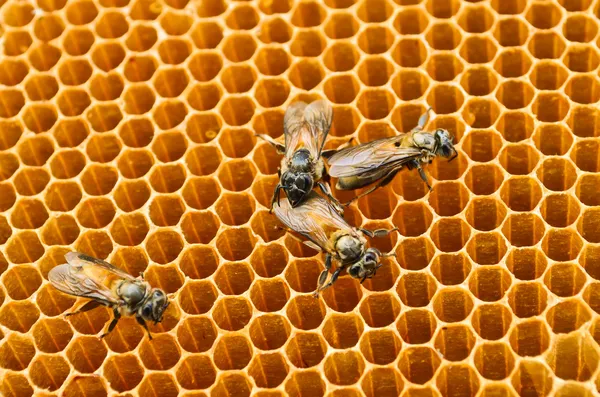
(127, 132)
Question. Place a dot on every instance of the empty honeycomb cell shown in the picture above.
(98, 180)
(74, 72)
(73, 102)
(418, 364)
(544, 16)
(9, 163)
(13, 72)
(585, 190)
(583, 121)
(408, 52)
(494, 361)
(235, 209)
(21, 282)
(443, 36)
(199, 262)
(305, 312)
(375, 104)
(477, 50)
(581, 58)
(380, 204)
(343, 296)
(48, 27)
(232, 313)
(548, 75)
(49, 372)
(519, 159)
(416, 326)
(237, 180)
(131, 195)
(160, 353)
(379, 310)
(523, 229)
(575, 5)
(5, 230)
(557, 174)
(17, 42)
(485, 214)
(232, 351)
(567, 316)
(170, 83)
(546, 45)
(521, 193)
(196, 334)
(135, 163)
(457, 380)
(271, 332)
(29, 214)
(271, 92)
(527, 299)
(489, 284)
(269, 260)
(559, 210)
(238, 78)
(572, 389)
(104, 117)
(139, 68)
(24, 247)
(14, 385)
(129, 229)
(411, 21)
(341, 89)
(16, 352)
(455, 343)
(450, 234)
(406, 116)
(108, 56)
(588, 226)
(60, 230)
(269, 295)
(12, 101)
(530, 338)
(13, 131)
(553, 139)
(452, 305)
(380, 347)
(197, 297)
(573, 357)
(379, 39)
(476, 81)
(515, 126)
(444, 67)
(341, 57)
(589, 260)
(139, 99)
(565, 279)
(164, 246)
(382, 382)
(41, 87)
(263, 224)
(236, 111)
(311, 43)
(586, 155)
(166, 210)
(306, 349)
(234, 278)
(491, 321)
(266, 158)
(31, 181)
(583, 89)
(482, 146)
(450, 269)
(416, 289)
(123, 373)
(341, 26)
(86, 353)
(78, 41)
(95, 242)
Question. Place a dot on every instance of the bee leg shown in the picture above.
(113, 323)
(381, 183)
(327, 191)
(333, 279)
(143, 324)
(280, 148)
(276, 197)
(423, 176)
(85, 308)
(323, 275)
(378, 232)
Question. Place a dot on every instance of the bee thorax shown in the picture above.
(349, 248)
(301, 161)
(132, 293)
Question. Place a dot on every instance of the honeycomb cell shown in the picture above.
(564, 279)
(585, 155)
(123, 373)
(557, 174)
(416, 289)
(450, 234)
(31, 181)
(159, 382)
(491, 321)
(86, 353)
(443, 36)
(408, 52)
(567, 316)
(232, 351)
(527, 299)
(311, 44)
(378, 39)
(573, 357)
(61, 230)
(546, 45)
(583, 89)
(418, 364)
(237, 78)
(16, 352)
(275, 30)
(49, 372)
(454, 343)
(581, 58)
(476, 50)
(17, 42)
(14, 385)
(458, 379)
(52, 335)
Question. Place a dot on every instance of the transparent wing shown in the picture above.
(315, 219)
(372, 156)
(87, 277)
(307, 126)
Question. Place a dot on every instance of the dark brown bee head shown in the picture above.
(443, 144)
(367, 266)
(296, 185)
(154, 306)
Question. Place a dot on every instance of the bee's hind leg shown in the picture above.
(423, 176)
(323, 275)
(85, 308)
(143, 324)
(327, 191)
(386, 180)
(113, 323)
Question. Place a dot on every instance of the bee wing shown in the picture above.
(307, 126)
(87, 277)
(370, 157)
(315, 219)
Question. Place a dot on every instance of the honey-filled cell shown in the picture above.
(128, 132)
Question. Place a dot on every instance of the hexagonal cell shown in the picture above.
(573, 357)
(443, 36)
(21, 282)
(523, 229)
(485, 214)
(114, 368)
(553, 140)
(10, 163)
(61, 230)
(409, 53)
(131, 195)
(237, 180)
(581, 58)
(565, 279)
(375, 104)
(139, 99)
(407, 84)
(275, 30)
(416, 289)
(445, 99)
(271, 332)
(481, 145)
(455, 343)
(86, 353)
(341, 57)
(232, 351)
(343, 296)
(176, 51)
(306, 74)
(557, 174)
(237, 78)
(305, 312)
(519, 159)
(170, 83)
(15, 385)
(567, 316)
(135, 163)
(237, 111)
(532, 378)
(530, 338)
(477, 49)
(13, 72)
(104, 117)
(562, 245)
(73, 102)
(546, 45)
(559, 210)
(379, 39)
(305, 383)
(491, 321)
(494, 361)
(269, 260)
(411, 219)
(140, 68)
(108, 56)
(451, 269)
(589, 260)
(28, 214)
(452, 305)
(164, 246)
(341, 26)
(306, 349)
(521, 193)
(527, 299)
(24, 247)
(450, 234)
(489, 284)
(512, 63)
(16, 42)
(418, 364)
(239, 47)
(18, 15)
(41, 87)
(308, 15)
(129, 229)
(344, 368)
(31, 181)
(272, 92)
(49, 372)
(19, 316)
(160, 353)
(588, 226)
(308, 43)
(411, 21)
(380, 347)
(197, 297)
(45, 56)
(17, 352)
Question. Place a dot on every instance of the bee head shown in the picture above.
(444, 145)
(367, 266)
(154, 306)
(296, 185)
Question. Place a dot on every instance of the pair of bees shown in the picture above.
(375, 163)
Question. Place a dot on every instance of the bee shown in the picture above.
(379, 161)
(305, 131)
(110, 286)
(326, 231)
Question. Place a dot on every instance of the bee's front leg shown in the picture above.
(276, 197)
(143, 324)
